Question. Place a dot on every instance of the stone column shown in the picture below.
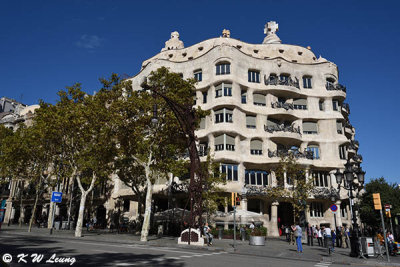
(338, 213)
(273, 229)
(307, 213)
(243, 202)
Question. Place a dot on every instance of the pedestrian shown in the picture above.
(310, 234)
(207, 233)
(287, 233)
(347, 234)
(343, 236)
(333, 239)
(298, 232)
(252, 226)
(319, 237)
(292, 238)
(339, 237)
(327, 232)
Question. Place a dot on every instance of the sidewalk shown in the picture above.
(274, 248)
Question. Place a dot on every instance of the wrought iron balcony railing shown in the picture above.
(285, 106)
(282, 128)
(274, 80)
(297, 154)
(346, 107)
(335, 87)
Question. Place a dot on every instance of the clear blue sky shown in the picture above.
(47, 45)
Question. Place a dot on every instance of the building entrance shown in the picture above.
(285, 214)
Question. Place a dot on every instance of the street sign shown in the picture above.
(377, 201)
(56, 197)
(333, 208)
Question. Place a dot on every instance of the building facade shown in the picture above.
(267, 99)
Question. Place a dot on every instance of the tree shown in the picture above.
(299, 189)
(82, 132)
(390, 194)
(150, 139)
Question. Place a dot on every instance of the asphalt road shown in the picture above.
(92, 253)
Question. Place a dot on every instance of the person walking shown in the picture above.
(347, 234)
(310, 234)
(287, 233)
(298, 232)
(342, 236)
(339, 237)
(319, 237)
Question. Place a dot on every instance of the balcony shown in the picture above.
(354, 144)
(335, 87)
(297, 154)
(346, 108)
(282, 128)
(285, 106)
(358, 158)
(273, 80)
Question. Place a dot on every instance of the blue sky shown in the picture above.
(47, 45)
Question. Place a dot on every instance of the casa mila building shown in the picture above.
(265, 100)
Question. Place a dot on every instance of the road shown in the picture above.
(92, 253)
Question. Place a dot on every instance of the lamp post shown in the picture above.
(349, 174)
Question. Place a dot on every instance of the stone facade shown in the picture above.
(266, 99)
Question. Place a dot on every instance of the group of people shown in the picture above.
(340, 237)
(390, 241)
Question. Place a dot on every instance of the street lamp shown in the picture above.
(350, 185)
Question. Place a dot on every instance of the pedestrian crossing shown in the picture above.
(324, 263)
(176, 258)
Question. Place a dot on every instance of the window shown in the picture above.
(321, 105)
(223, 115)
(203, 149)
(256, 147)
(224, 142)
(223, 68)
(330, 84)
(205, 97)
(310, 127)
(250, 121)
(307, 82)
(335, 105)
(284, 78)
(202, 123)
(254, 76)
(259, 99)
(224, 89)
(300, 103)
(339, 127)
(256, 177)
(343, 210)
(230, 170)
(244, 96)
(315, 150)
(198, 75)
(316, 210)
(342, 152)
(321, 179)
(127, 204)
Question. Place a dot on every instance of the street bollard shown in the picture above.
(220, 233)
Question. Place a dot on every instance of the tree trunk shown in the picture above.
(147, 213)
(33, 212)
(78, 229)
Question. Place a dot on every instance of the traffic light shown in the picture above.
(377, 201)
(237, 201)
(388, 214)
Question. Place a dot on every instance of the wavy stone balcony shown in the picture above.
(335, 87)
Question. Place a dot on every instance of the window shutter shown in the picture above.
(309, 126)
(251, 120)
(228, 111)
(300, 101)
(220, 111)
(256, 144)
(259, 98)
(339, 126)
(230, 140)
(219, 86)
(219, 140)
(203, 123)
